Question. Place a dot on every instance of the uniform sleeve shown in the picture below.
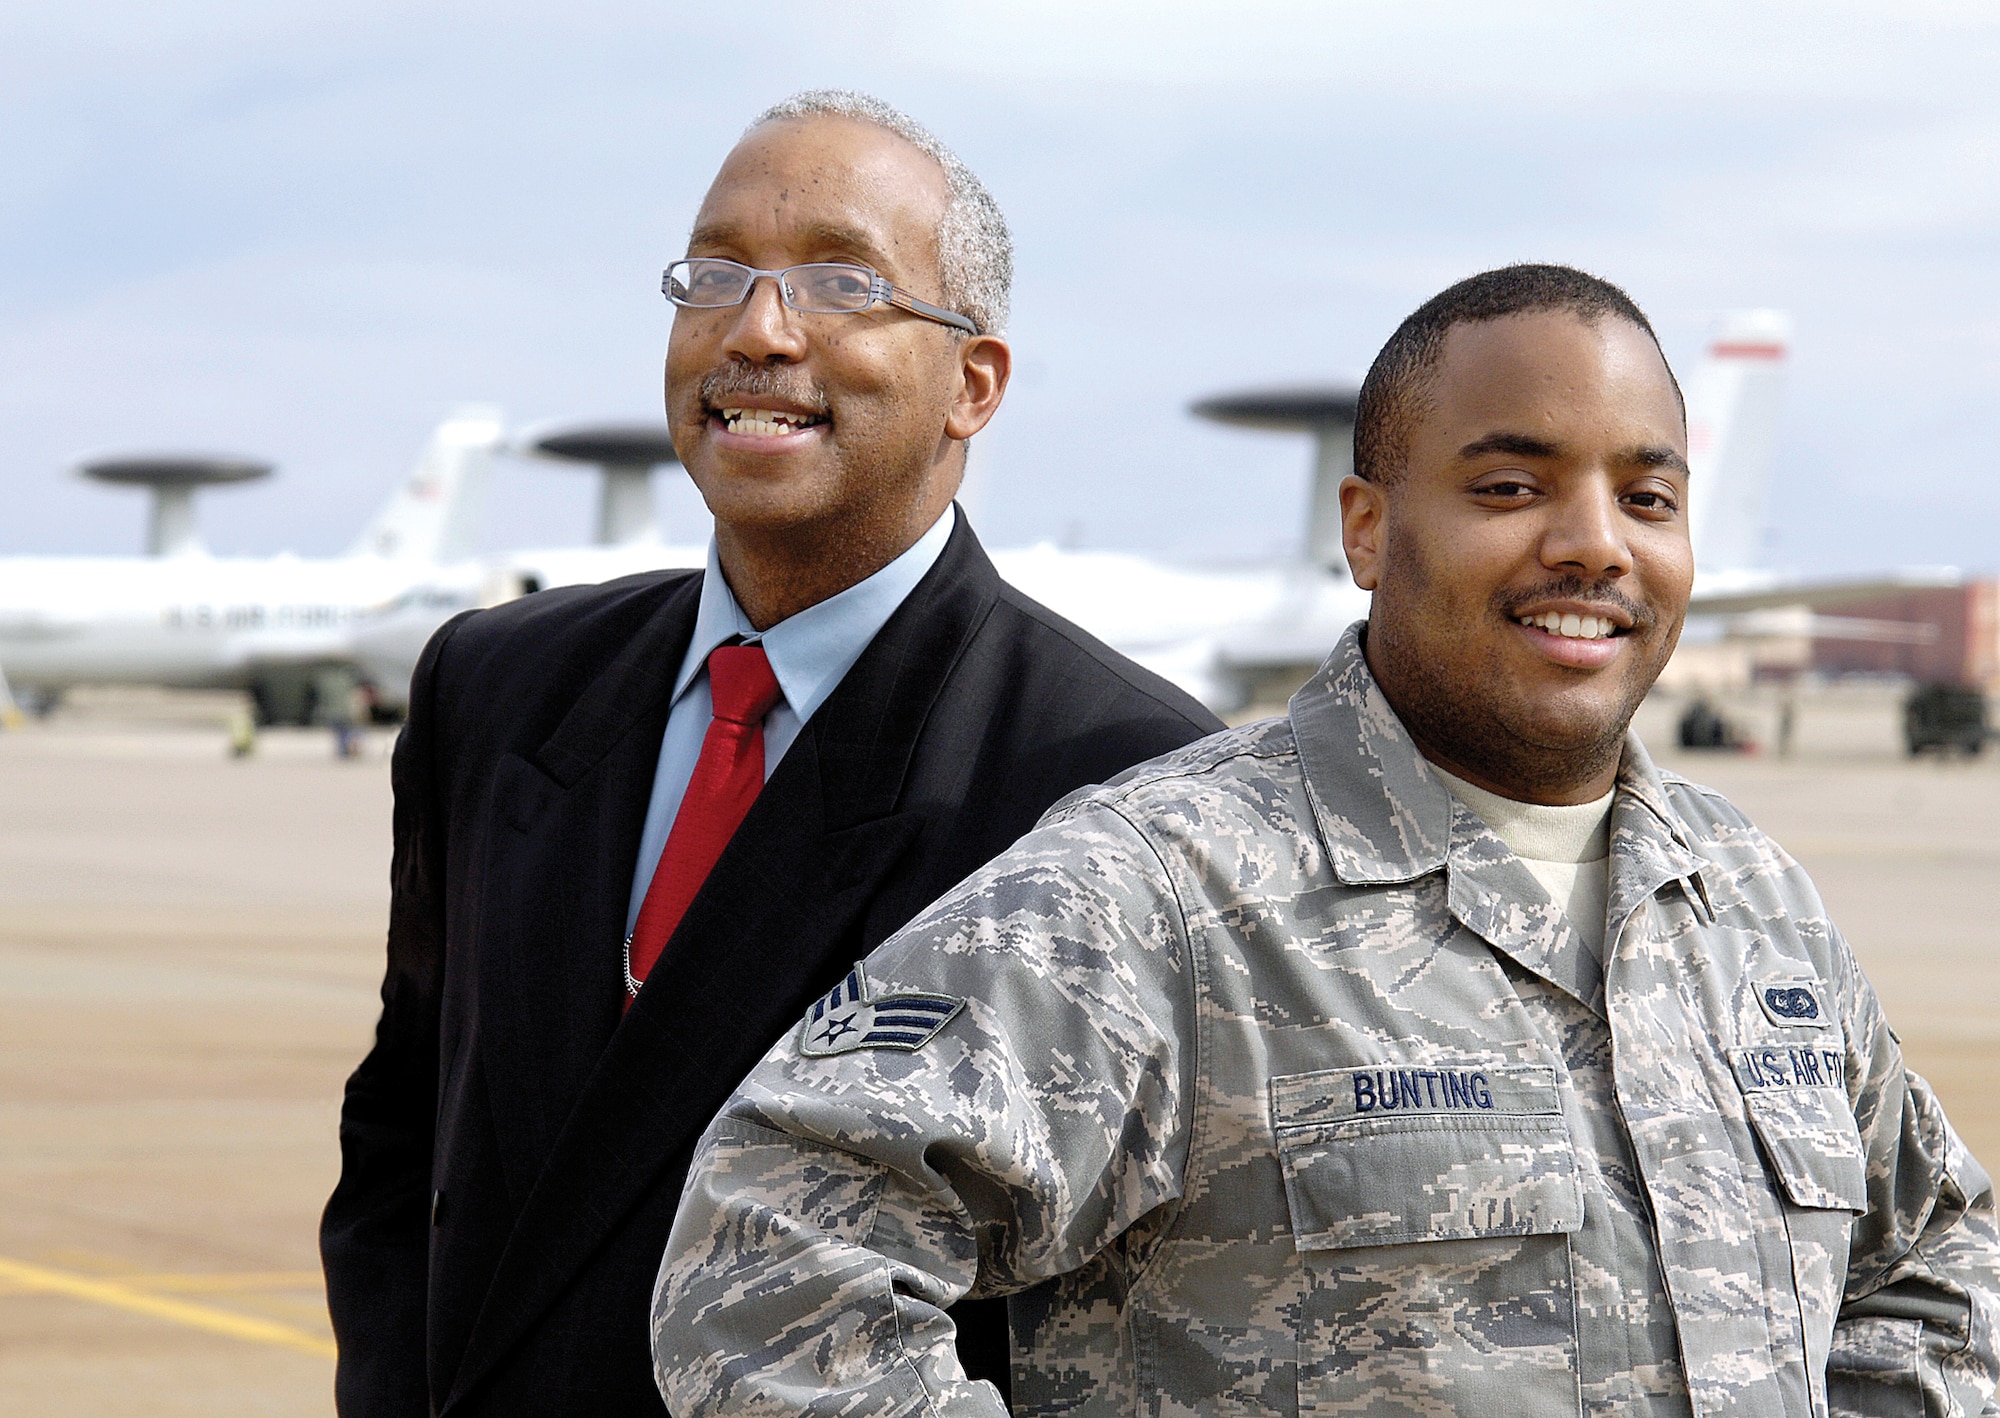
(850, 1190)
(1916, 1330)
(375, 1234)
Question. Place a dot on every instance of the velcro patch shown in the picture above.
(1781, 1066)
(1336, 1095)
(1792, 1004)
(851, 1017)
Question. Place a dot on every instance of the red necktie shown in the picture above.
(727, 778)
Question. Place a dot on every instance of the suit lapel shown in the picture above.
(791, 903)
(566, 823)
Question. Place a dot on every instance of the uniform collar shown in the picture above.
(811, 652)
(1384, 814)
(1387, 819)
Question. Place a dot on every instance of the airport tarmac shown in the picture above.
(190, 947)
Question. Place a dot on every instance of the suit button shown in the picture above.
(437, 1208)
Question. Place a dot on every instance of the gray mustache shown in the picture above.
(720, 387)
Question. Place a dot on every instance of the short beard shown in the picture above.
(1445, 713)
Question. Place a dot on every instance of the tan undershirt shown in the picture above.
(1567, 849)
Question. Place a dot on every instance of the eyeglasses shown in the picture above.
(819, 288)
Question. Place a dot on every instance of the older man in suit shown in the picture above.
(640, 826)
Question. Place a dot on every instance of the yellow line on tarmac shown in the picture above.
(124, 1297)
(217, 1282)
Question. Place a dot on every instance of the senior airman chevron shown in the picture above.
(847, 1019)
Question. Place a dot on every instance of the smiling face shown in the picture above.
(835, 436)
(1531, 565)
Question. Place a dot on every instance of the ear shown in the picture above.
(1364, 512)
(985, 363)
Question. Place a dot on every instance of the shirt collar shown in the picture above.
(1386, 817)
(811, 652)
(1541, 832)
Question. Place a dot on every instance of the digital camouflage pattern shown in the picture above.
(1281, 1086)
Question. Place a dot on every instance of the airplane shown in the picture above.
(388, 642)
(1732, 411)
(1229, 636)
(1732, 403)
(279, 626)
(1232, 637)
(1213, 632)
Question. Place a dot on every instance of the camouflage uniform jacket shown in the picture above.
(1267, 1080)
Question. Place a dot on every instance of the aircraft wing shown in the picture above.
(1734, 594)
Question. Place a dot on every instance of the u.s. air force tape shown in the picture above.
(1775, 1066)
(851, 1016)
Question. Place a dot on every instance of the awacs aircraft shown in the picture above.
(273, 624)
(1214, 632)
(1732, 405)
(1732, 433)
(279, 626)
(1225, 635)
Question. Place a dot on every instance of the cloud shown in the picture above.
(308, 230)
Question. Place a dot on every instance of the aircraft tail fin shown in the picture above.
(1732, 432)
(433, 515)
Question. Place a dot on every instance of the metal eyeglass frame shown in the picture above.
(880, 291)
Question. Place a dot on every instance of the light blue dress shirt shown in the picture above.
(810, 654)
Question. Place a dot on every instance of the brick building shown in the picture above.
(1966, 649)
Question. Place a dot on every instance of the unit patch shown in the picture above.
(1792, 1004)
(850, 1018)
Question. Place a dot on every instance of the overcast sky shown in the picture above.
(305, 231)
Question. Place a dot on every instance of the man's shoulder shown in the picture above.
(1708, 816)
(1720, 832)
(1095, 678)
(1237, 776)
(560, 631)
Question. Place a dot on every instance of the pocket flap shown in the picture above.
(1383, 1156)
(1800, 1113)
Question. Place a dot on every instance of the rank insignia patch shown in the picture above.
(850, 1018)
(1792, 1003)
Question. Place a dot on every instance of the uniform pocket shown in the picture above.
(1801, 1116)
(1798, 1108)
(1383, 1156)
(1431, 1209)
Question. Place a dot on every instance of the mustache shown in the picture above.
(1577, 588)
(731, 383)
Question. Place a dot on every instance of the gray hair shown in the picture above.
(975, 253)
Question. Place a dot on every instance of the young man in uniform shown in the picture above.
(1426, 1051)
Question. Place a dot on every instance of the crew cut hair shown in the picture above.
(975, 251)
(1396, 393)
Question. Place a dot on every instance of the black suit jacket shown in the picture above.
(512, 1150)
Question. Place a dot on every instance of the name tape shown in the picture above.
(1471, 1090)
